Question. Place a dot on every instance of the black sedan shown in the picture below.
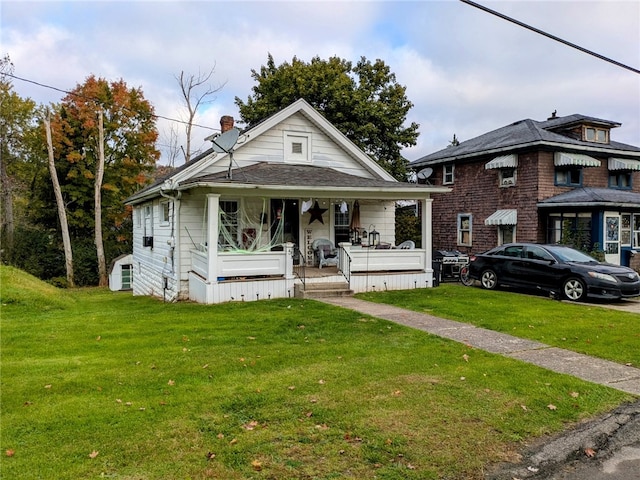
(557, 269)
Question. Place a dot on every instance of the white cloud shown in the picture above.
(466, 71)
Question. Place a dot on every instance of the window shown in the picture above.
(537, 253)
(464, 229)
(228, 235)
(147, 229)
(570, 229)
(340, 224)
(127, 275)
(598, 135)
(165, 212)
(625, 229)
(636, 230)
(447, 174)
(569, 177)
(507, 177)
(296, 147)
(621, 180)
(506, 234)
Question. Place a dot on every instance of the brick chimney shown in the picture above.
(226, 123)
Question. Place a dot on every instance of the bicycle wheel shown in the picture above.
(464, 276)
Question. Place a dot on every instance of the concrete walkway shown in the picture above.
(604, 372)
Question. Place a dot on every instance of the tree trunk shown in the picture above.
(62, 213)
(102, 262)
(7, 210)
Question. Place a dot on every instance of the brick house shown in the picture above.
(558, 180)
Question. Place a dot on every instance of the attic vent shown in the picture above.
(296, 148)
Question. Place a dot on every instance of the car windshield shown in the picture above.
(567, 254)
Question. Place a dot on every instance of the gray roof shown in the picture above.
(275, 174)
(526, 134)
(593, 197)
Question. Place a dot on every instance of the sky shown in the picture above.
(467, 72)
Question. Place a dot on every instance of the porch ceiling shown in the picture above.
(280, 178)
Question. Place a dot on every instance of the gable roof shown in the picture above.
(306, 179)
(264, 174)
(525, 134)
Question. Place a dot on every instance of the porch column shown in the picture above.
(288, 260)
(213, 204)
(427, 230)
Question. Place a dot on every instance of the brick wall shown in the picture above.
(476, 191)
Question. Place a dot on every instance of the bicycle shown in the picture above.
(465, 279)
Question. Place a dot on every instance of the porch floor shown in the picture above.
(315, 272)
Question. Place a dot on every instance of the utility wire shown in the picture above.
(548, 35)
(98, 100)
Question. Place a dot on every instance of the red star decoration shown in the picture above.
(316, 213)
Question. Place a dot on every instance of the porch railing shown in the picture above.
(299, 266)
(344, 263)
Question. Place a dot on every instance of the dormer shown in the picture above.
(581, 127)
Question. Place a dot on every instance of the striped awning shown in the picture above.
(563, 159)
(502, 217)
(623, 164)
(505, 161)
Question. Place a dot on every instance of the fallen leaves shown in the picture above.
(250, 425)
(10, 452)
(94, 454)
(590, 452)
(552, 407)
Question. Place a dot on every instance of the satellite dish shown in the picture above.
(224, 142)
(425, 173)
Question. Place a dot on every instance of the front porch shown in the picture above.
(249, 276)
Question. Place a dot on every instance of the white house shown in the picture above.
(240, 221)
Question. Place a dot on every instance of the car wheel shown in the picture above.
(574, 289)
(489, 279)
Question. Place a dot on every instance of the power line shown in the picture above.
(548, 35)
(98, 100)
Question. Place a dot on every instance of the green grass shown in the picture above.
(97, 384)
(592, 330)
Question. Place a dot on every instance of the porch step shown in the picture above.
(323, 289)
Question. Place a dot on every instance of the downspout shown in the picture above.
(173, 241)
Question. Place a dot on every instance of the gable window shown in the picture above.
(597, 135)
(447, 174)
(464, 229)
(297, 147)
(569, 177)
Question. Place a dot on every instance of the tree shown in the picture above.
(62, 212)
(16, 128)
(194, 99)
(363, 101)
(94, 191)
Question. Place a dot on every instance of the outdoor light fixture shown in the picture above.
(374, 237)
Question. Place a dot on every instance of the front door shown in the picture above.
(285, 221)
(612, 238)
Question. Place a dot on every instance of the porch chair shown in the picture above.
(407, 245)
(327, 254)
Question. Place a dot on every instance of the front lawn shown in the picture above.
(99, 384)
(588, 329)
